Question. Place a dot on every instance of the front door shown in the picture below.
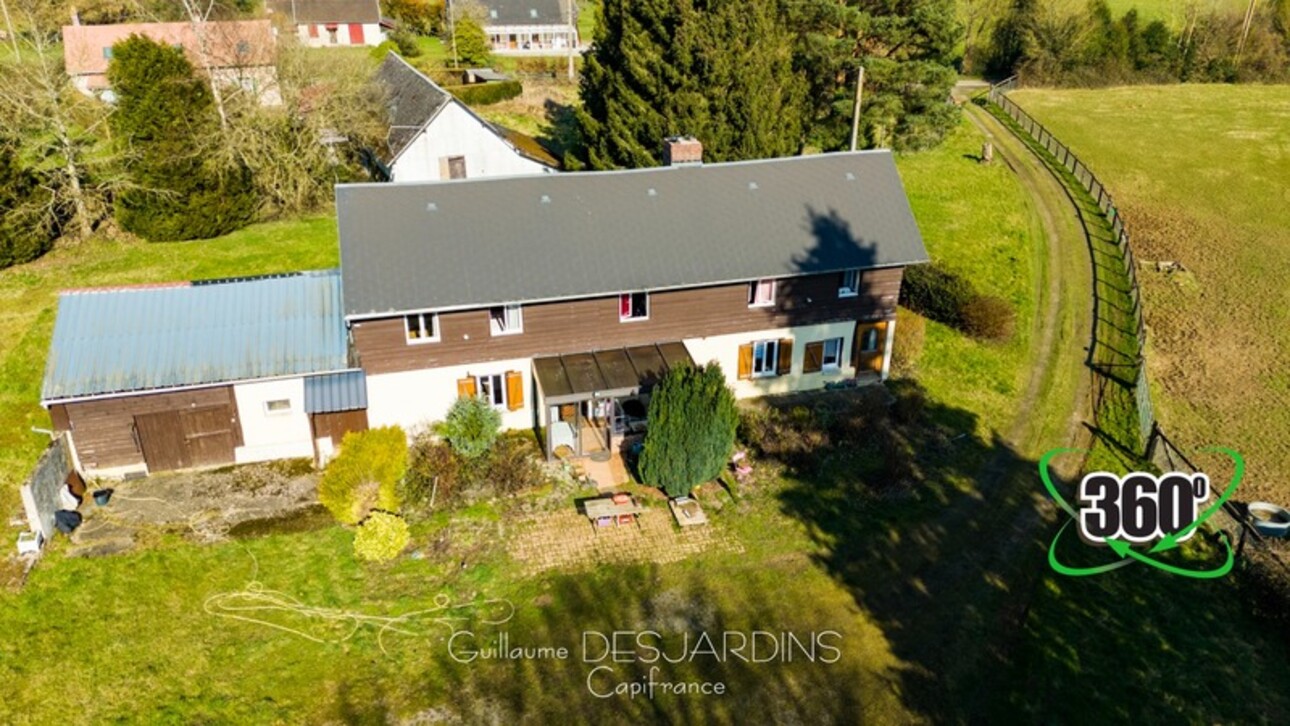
(869, 347)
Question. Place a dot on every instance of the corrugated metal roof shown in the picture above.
(471, 243)
(334, 392)
(136, 339)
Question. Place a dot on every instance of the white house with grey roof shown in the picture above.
(561, 299)
(433, 136)
(531, 27)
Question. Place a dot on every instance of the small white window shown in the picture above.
(278, 406)
(761, 293)
(421, 327)
(850, 284)
(532, 12)
(492, 14)
(765, 358)
(506, 320)
(493, 389)
(107, 52)
(831, 360)
(633, 306)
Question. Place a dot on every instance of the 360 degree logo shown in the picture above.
(1139, 508)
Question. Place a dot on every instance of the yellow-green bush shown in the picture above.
(366, 474)
(382, 536)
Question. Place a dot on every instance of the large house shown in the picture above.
(534, 27)
(434, 136)
(237, 53)
(324, 23)
(560, 299)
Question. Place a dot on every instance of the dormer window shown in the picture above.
(633, 306)
(849, 286)
(506, 320)
(761, 293)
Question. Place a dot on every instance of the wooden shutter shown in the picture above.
(514, 391)
(785, 363)
(745, 361)
(465, 387)
(813, 359)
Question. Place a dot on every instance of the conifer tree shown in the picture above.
(692, 422)
(178, 187)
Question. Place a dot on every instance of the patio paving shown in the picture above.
(567, 540)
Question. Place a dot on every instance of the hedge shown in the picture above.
(483, 94)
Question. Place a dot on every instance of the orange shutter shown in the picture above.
(514, 391)
(813, 360)
(784, 365)
(745, 361)
(465, 387)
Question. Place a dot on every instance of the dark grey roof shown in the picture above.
(526, 12)
(471, 243)
(117, 340)
(412, 100)
(344, 391)
(328, 11)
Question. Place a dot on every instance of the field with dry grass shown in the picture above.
(1202, 175)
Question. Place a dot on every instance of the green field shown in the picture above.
(1202, 176)
(1174, 12)
(133, 626)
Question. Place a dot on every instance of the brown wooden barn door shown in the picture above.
(209, 435)
(161, 439)
(869, 346)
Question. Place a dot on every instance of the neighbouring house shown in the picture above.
(236, 53)
(434, 136)
(560, 299)
(533, 27)
(324, 23)
(155, 378)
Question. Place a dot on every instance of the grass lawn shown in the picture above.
(29, 298)
(1173, 12)
(135, 626)
(1202, 173)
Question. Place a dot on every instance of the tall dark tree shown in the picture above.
(721, 70)
(179, 186)
(692, 422)
(27, 227)
(909, 49)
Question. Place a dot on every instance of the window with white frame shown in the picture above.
(831, 357)
(421, 327)
(761, 293)
(506, 320)
(765, 358)
(278, 406)
(493, 389)
(633, 306)
(849, 286)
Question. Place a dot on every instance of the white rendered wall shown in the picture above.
(372, 35)
(268, 436)
(724, 349)
(414, 399)
(455, 132)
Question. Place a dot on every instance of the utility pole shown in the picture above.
(855, 112)
(573, 36)
(452, 31)
(1245, 31)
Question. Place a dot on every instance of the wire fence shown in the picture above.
(1158, 447)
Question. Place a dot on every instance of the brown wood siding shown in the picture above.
(337, 424)
(593, 324)
(103, 430)
(58, 416)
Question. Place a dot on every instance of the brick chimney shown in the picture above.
(682, 150)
